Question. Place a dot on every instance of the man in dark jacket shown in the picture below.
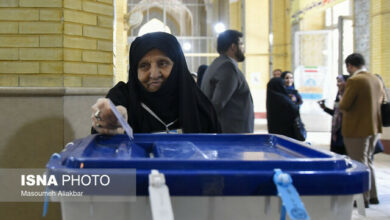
(225, 85)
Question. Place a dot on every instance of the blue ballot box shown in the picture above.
(211, 176)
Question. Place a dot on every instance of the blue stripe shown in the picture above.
(311, 95)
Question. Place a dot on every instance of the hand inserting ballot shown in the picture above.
(104, 120)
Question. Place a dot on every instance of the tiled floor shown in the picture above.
(320, 140)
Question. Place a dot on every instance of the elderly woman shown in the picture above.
(160, 95)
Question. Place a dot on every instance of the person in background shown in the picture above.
(336, 142)
(276, 73)
(160, 95)
(379, 146)
(281, 110)
(289, 84)
(201, 70)
(226, 87)
(362, 121)
(194, 76)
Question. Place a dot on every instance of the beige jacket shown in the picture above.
(361, 106)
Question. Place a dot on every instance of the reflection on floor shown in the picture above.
(321, 140)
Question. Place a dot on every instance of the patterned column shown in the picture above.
(362, 32)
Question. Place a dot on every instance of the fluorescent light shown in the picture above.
(219, 27)
(187, 46)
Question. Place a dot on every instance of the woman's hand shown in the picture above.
(293, 98)
(104, 120)
(321, 103)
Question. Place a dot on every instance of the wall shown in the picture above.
(31, 51)
(42, 120)
(88, 44)
(380, 44)
(47, 46)
(55, 43)
(281, 29)
(235, 12)
(256, 34)
(37, 122)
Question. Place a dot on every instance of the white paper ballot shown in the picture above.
(122, 121)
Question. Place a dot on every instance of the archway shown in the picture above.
(153, 25)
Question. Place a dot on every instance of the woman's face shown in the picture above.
(340, 84)
(153, 69)
(289, 79)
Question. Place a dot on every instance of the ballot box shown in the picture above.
(209, 176)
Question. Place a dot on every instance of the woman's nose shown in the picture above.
(154, 72)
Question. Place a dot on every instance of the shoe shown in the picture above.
(374, 201)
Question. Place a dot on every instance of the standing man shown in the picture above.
(276, 73)
(225, 85)
(361, 117)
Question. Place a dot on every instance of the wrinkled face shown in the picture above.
(289, 79)
(340, 84)
(154, 69)
(240, 50)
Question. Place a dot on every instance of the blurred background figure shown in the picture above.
(362, 122)
(281, 110)
(276, 73)
(201, 71)
(294, 95)
(226, 86)
(337, 142)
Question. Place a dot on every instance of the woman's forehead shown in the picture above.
(155, 52)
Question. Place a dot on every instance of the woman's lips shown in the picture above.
(154, 83)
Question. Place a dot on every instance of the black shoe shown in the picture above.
(374, 201)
